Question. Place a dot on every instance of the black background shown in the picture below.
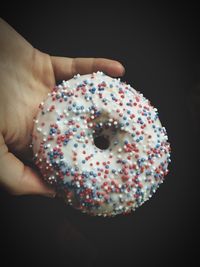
(159, 47)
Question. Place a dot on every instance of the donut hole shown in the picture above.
(102, 142)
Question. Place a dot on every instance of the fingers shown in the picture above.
(17, 178)
(66, 68)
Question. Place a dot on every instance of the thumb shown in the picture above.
(17, 178)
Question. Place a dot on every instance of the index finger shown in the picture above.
(66, 68)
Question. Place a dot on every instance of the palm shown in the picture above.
(27, 75)
(23, 98)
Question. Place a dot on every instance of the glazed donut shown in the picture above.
(101, 144)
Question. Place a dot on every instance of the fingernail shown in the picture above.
(123, 70)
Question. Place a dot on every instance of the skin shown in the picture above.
(27, 75)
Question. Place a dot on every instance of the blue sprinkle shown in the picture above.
(92, 90)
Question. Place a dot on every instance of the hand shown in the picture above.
(26, 76)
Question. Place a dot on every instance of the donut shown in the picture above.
(100, 143)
